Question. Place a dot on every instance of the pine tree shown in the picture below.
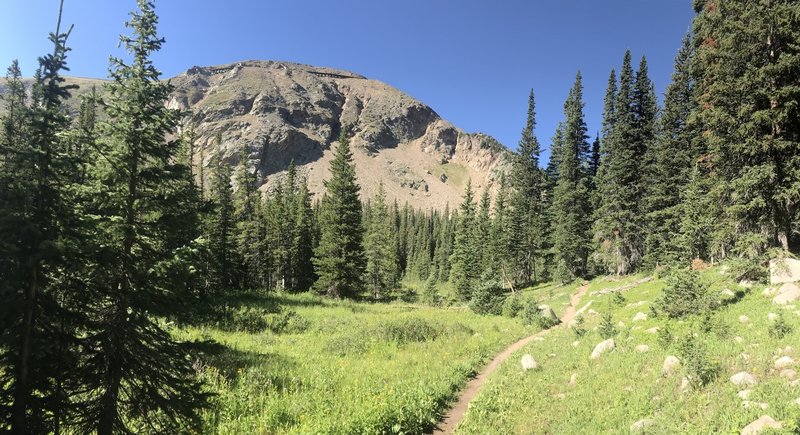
(339, 258)
(303, 245)
(464, 260)
(527, 202)
(483, 223)
(379, 246)
(670, 167)
(36, 173)
(136, 372)
(618, 227)
(748, 112)
(225, 264)
(248, 224)
(570, 208)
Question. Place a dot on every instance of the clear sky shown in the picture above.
(473, 61)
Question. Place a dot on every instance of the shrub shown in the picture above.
(701, 368)
(531, 315)
(562, 273)
(347, 344)
(286, 322)
(512, 306)
(487, 298)
(578, 327)
(617, 299)
(779, 328)
(607, 329)
(430, 294)
(683, 295)
(246, 319)
(664, 337)
(408, 330)
(714, 324)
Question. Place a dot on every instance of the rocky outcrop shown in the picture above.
(282, 112)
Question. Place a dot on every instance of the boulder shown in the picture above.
(772, 316)
(728, 293)
(671, 364)
(743, 379)
(784, 362)
(641, 425)
(788, 374)
(783, 271)
(642, 348)
(548, 313)
(744, 319)
(752, 405)
(528, 363)
(764, 422)
(746, 283)
(639, 317)
(744, 394)
(787, 294)
(603, 347)
(653, 330)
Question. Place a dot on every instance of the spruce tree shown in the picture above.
(36, 173)
(138, 377)
(527, 202)
(248, 224)
(379, 246)
(303, 244)
(570, 207)
(222, 234)
(464, 260)
(339, 258)
(748, 112)
(618, 228)
(670, 168)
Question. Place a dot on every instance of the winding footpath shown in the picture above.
(456, 413)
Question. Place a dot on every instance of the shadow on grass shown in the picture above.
(231, 363)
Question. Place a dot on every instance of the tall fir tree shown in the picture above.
(36, 173)
(570, 206)
(222, 234)
(137, 374)
(527, 202)
(249, 224)
(618, 228)
(303, 244)
(339, 258)
(748, 112)
(670, 167)
(465, 267)
(379, 246)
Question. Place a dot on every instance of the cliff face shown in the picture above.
(283, 112)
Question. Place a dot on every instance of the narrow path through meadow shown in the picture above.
(456, 413)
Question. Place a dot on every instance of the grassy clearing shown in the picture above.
(625, 386)
(341, 367)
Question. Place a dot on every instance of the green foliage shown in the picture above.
(488, 298)
(512, 306)
(618, 299)
(779, 328)
(701, 367)
(683, 295)
(607, 329)
(430, 294)
(578, 327)
(339, 258)
(379, 245)
(664, 337)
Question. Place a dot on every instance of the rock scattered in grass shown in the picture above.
(685, 384)
(788, 374)
(746, 283)
(639, 317)
(653, 330)
(728, 293)
(603, 347)
(641, 425)
(764, 422)
(753, 405)
(744, 319)
(573, 380)
(770, 292)
(744, 394)
(743, 378)
(528, 363)
(538, 338)
(592, 312)
(787, 294)
(671, 364)
(642, 348)
(784, 362)
(738, 339)
(772, 316)
(576, 343)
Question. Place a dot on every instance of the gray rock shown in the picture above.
(758, 426)
(784, 362)
(639, 317)
(671, 364)
(603, 347)
(787, 294)
(548, 313)
(783, 271)
(528, 363)
(642, 425)
(743, 379)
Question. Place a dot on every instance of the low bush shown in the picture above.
(618, 299)
(607, 328)
(701, 367)
(512, 306)
(684, 294)
(578, 327)
(779, 328)
(488, 298)
(409, 330)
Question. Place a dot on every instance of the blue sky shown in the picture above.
(473, 61)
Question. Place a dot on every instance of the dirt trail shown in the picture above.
(456, 413)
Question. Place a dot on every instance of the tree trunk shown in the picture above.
(19, 423)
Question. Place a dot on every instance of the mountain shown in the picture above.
(283, 112)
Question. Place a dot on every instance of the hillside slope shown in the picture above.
(283, 112)
(633, 387)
